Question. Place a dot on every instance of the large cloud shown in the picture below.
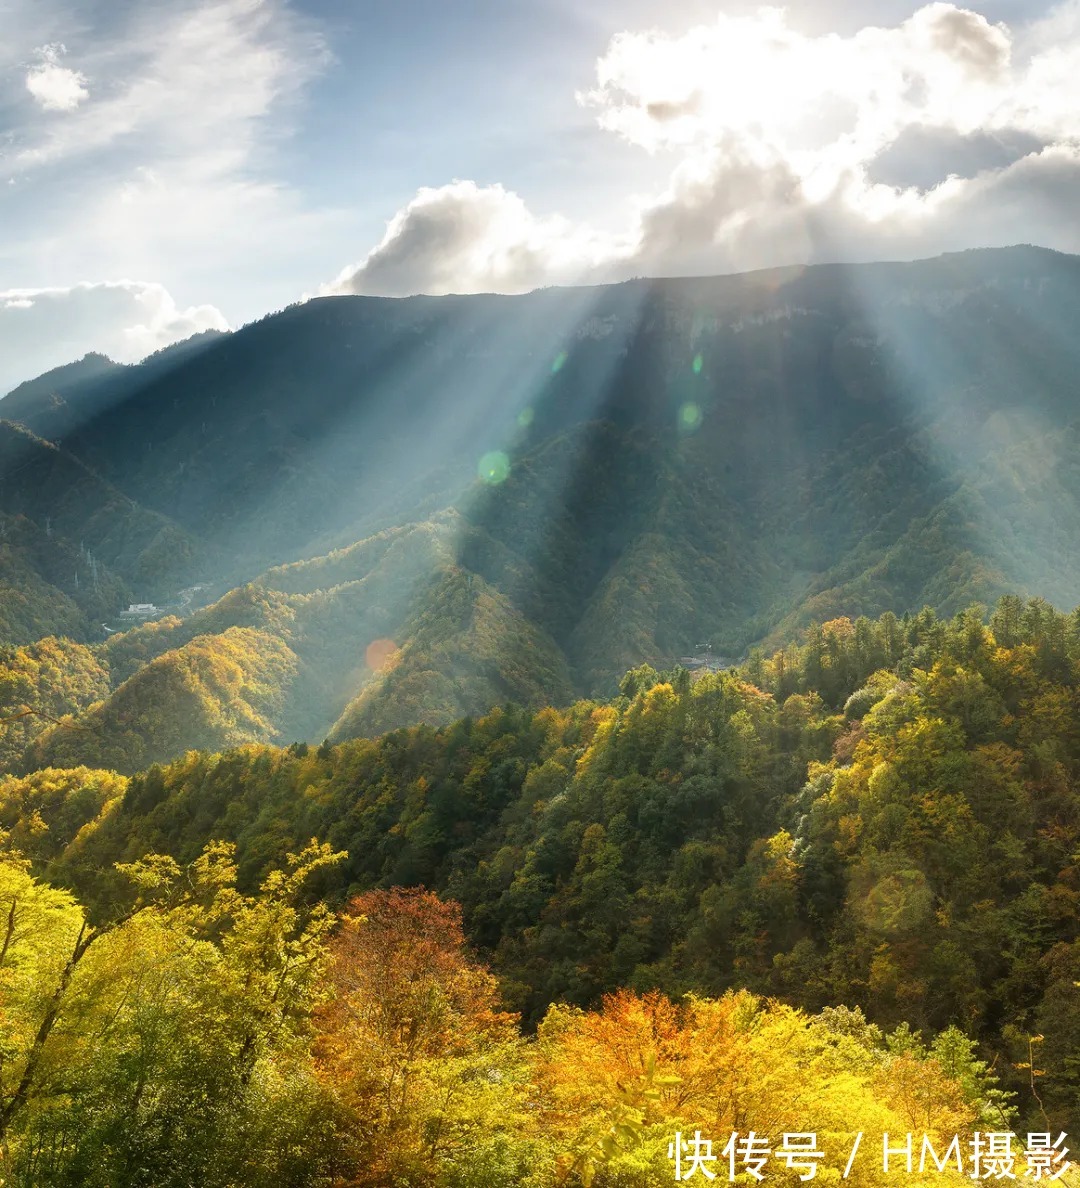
(756, 78)
(126, 320)
(471, 238)
(943, 131)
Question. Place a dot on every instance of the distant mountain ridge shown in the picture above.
(528, 495)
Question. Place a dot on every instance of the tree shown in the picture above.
(169, 1045)
(413, 1041)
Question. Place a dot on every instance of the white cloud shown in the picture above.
(126, 320)
(55, 87)
(171, 168)
(758, 78)
(467, 238)
(192, 85)
(940, 132)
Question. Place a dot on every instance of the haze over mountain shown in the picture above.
(528, 495)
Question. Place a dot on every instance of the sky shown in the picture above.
(171, 166)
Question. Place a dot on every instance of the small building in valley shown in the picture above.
(140, 610)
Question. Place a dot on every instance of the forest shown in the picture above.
(833, 890)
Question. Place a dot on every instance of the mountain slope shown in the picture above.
(617, 474)
(217, 691)
(48, 483)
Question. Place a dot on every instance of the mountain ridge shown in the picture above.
(612, 475)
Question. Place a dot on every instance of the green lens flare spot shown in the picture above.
(689, 418)
(698, 364)
(557, 363)
(525, 417)
(494, 467)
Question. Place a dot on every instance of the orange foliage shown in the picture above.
(410, 1020)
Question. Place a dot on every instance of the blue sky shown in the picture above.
(173, 165)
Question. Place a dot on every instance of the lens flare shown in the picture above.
(689, 418)
(380, 654)
(557, 364)
(525, 417)
(494, 467)
(698, 364)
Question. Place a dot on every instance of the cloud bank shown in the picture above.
(941, 132)
(125, 320)
(484, 236)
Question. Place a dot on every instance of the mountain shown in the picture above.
(52, 398)
(422, 507)
(73, 545)
(66, 397)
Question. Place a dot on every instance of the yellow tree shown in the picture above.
(614, 1086)
(168, 1046)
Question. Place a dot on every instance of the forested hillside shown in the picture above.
(519, 498)
(70, 543)
(205, 1036)
(883, 818)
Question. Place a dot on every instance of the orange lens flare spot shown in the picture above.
(380, 654)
